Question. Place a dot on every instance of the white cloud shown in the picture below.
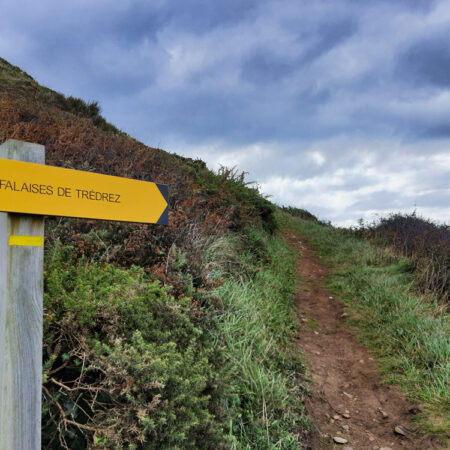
(310, 98)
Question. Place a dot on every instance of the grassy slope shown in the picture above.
(200, 378)
(256, 328)
(251, 405)
(128, 362)
(406, 331)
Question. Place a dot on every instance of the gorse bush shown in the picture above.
(299, 213)
(80, 107)
(144, 345)
(89, 110)
(243, 197)
(426, 243)
(125, 366)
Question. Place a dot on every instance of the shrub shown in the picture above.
(242, 196)
(427, 243)
(125, 366)
(300, 213)
(89, 110)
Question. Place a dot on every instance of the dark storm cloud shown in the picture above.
(427, 60)
(200, 16)
(329, 34)
(340, 106)
(438, 130)
(263, 66)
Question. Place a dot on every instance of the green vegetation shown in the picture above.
(312, 323)
(256, 328)
(88, 110)
(426, 243)
(241, 196)
(408, 332)
(10, 73)
(299, 213)
(126, 365)
(171, 336)
(124, 362)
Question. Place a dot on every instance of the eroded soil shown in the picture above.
(347, 399)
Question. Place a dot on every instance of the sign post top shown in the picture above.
(22, 151)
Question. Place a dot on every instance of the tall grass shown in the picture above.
(256, 327)
(223, 374)
(425, 242)
(408, 332)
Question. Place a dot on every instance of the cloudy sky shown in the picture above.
(341, 107)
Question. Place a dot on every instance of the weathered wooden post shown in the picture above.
(29, 190)
(21, 292)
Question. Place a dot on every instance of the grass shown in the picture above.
(256, 328)
(228, 377)
(409, 333)
(254, 325)
(424, 241)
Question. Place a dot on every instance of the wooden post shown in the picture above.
(21, 292)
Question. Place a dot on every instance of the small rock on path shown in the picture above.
(339, 440)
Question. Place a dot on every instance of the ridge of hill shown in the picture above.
(159, 336)
(15, 81)
(77, 136)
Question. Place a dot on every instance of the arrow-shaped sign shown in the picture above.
(45, 190)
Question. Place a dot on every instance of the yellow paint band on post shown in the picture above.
(28, 241)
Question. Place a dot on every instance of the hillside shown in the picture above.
(240, 324)
(77, 137)
(139, 350)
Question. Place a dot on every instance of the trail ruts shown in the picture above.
(347, 399)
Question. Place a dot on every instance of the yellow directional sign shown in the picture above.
(45, 190)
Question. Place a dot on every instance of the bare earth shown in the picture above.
(345, 377)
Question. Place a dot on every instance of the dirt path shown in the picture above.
(347, 398)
